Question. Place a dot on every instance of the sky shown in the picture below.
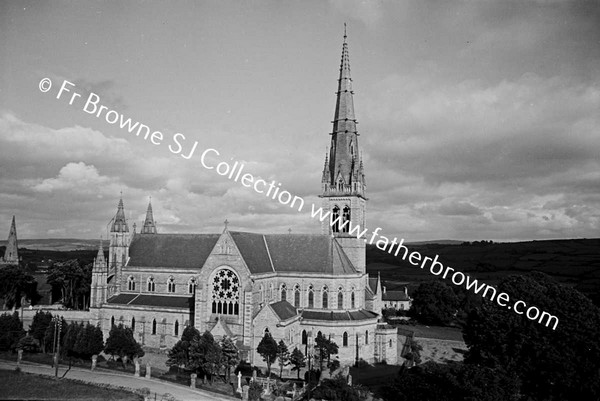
(478, 119)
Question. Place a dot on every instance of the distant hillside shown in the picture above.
(58, 244)
(574, 262)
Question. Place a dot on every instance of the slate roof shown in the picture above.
(171, 250)
(394, 296)
(292, 253)
(361, 314)
(152, 300)
(284, 310)
(372, 284)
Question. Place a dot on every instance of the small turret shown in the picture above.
(11, 254)
(149, 225)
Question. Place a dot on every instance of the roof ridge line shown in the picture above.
(268, 253)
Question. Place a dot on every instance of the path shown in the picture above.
(180, 392)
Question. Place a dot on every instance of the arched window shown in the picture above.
(311, 297)
(283, 292)
(335, 219)
(176, 328)
(261, 293)
(133, 324)
(390, 343)
(297, 296)
(304, 337)
(226, 293)
(352, 299)
(153, 326)
(112, 321)
(192, 286)
(171, 284)
(151, 285)
(340, 298)
(271, 292)
(345, 340)
(367, 337)
(325, 298)
(130, 283)
(346, 218)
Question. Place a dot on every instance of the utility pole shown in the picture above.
(57, 329)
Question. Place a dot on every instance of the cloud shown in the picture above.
(365, 11)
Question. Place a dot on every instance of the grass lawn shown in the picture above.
(23, 386)
(440, 333)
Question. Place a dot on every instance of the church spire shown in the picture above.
(11, 254)
(149, 225)
(342, 176)
(120, 224)
(100, 261)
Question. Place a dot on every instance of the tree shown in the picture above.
(89, 342)
(16, 284)
(283, 356)
(553, 363)
(179, 355)
(205, 355)
(325, 348)
(267, 348)
(72, 333)
(413, 355)
(11, 330)
(73, 281)
(41, 321)
(231, 355)
(435, 303)
(336, 389)
(121, 343)
(452, 381)
(297, 360)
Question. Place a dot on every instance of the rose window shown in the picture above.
(226, 293)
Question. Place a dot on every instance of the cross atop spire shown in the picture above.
(226, 222)
(345, 33)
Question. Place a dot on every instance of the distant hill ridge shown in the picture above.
(59, 244)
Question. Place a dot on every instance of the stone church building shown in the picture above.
(243, 284)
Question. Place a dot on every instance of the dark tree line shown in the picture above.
(513, 358)
(71, 283)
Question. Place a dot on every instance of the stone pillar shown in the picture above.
(253, 374)
(94, 362)
(136, 360)
(19, 358)
(239, 386)
(349, 380)
(193, 380)
(148, 370)
(245, 390)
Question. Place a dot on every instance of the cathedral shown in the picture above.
(243, 284)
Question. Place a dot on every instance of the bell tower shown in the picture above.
(120, 239)
(343, 182)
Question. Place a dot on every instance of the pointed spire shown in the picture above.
(100, 261)
(344, 157)
(149, 225)
(120, 224)
(11, 254)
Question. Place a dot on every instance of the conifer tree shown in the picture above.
(267, 348)
(298, 360)
(231, 356)
(283, 356)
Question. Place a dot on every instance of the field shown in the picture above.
(573, 262)
(24, 386)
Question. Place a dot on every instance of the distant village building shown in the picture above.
(11, 254)
(244, 284)
(398, 300)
